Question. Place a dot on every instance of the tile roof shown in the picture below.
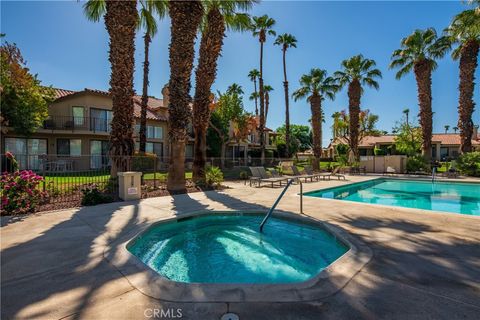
(451, 138)
(153, 103)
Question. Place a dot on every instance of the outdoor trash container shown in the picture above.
(129, 185)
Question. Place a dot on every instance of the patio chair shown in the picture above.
(336, 173)
(323, 175)
(259, 175)
(305, 176)
(452, 172)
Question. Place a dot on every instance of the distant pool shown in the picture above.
(463, 198)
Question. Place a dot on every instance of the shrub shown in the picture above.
(243, 175)
(469, 164)
(213, 176)
(19, 192)
(92, 195)
(379, 151)
(416, 163)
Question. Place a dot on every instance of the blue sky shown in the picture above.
(68, 51)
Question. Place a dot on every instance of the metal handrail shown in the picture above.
(275, 204)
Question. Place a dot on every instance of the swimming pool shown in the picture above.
(463, 198)
(228, 248)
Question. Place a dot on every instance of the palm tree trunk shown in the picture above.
(466, 105)
(120, 21)
(354, 95)
(316, 108)
(267, 103)
(210, 49)
(423, 75)
(143, 114)
(256, 98)
(287, 107)
(261, 127)
(185, 18)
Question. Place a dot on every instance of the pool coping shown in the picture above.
(407, 209)
(330, 280)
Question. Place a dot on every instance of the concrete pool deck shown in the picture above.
(424, 265)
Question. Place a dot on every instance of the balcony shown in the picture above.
(69, 123)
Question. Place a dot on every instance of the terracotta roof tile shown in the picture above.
(153, 103)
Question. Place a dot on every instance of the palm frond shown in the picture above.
(94, 9)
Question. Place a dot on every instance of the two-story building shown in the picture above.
(76, 133)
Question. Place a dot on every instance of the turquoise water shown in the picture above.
(463, 198)
(230, 249)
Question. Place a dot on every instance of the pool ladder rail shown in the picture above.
(269, 213)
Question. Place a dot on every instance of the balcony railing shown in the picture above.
(77, 123)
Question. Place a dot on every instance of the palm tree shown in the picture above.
(235, 88)
(254, 97)
(447, 127)
(418, 52)
(406, 112)
(185, 19)
(267, 89)
(148, 23)
(455, 129)
(218, 16)
(286, 41)
(357, 72)
(315, 87)
(120, 21)
(253, 75)
(261, 27)
(465, 31)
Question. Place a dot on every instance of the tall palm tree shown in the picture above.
(235, 88)
(261, 27)
(267, 89)
(218, 16)
(357, 72)
(447, 127)
(406, 112)
(185, 19)
(286, 41)
(120, 21)
(418, 52)
(465, 32)
(455, 129)
(315, 87)
(254, 97)
(254, 74)
(147, 22)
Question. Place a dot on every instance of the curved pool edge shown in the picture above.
(327, 282)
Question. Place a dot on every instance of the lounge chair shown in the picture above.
(299, 175)
(323, 175)
(335, 173)
(259, 175)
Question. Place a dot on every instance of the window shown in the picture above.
(26, 151)
(189, 151)
(99, 154)
(100, 119)
(154, 132)
(152, 147)
(69, 147)
(78, 116)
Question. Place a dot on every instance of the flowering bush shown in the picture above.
(19, 192)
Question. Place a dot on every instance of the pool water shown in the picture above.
(230, 249)
(463, 198)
